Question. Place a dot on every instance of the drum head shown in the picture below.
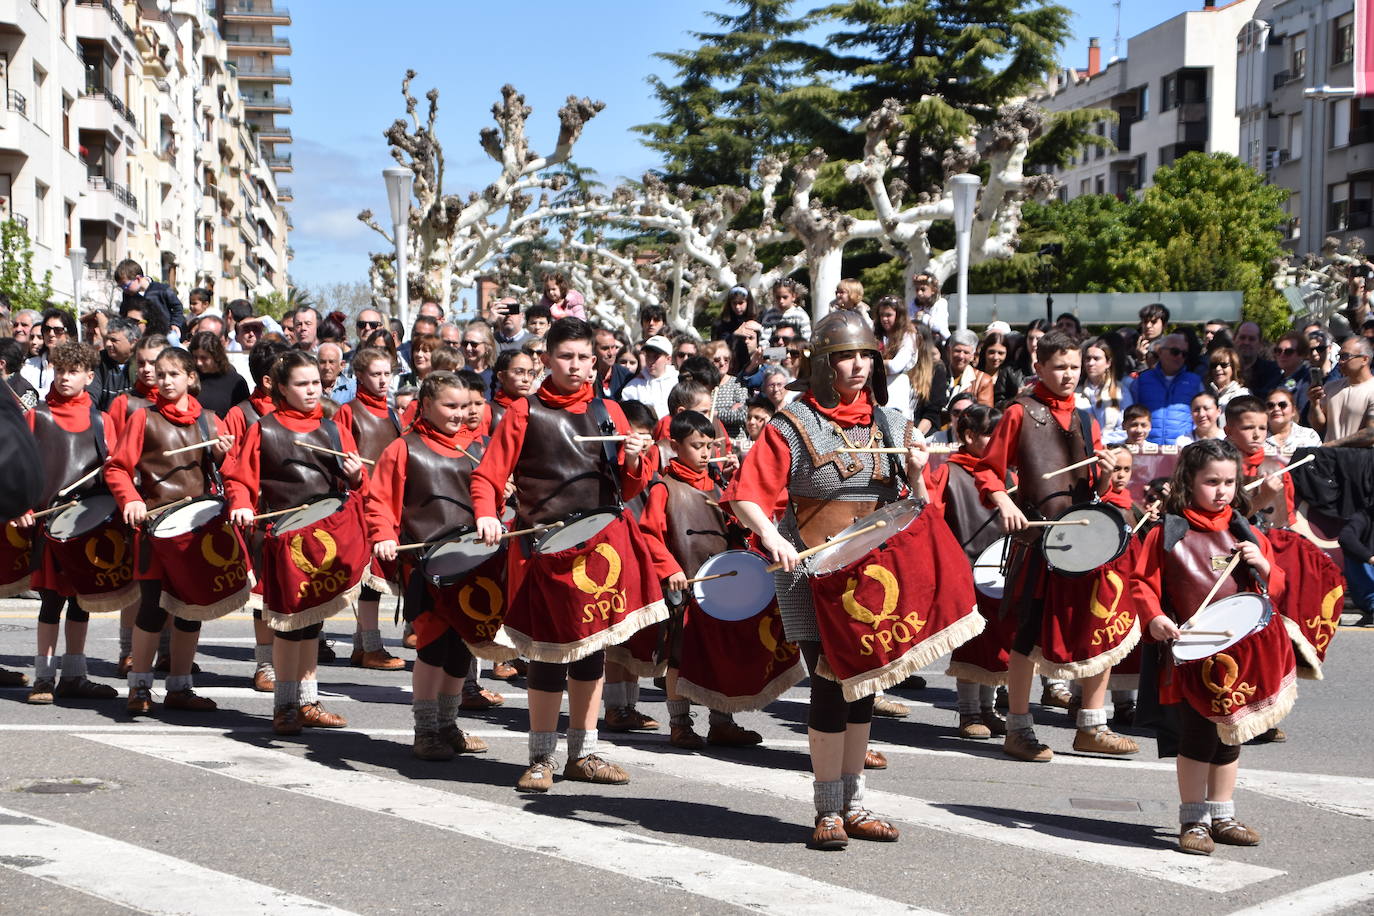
(738, 596)
(577, 530)
(1078, 549)
(987, 569)
(316, 510)
(453, 558)
(1242, 614)
(195, 514)
(897, 516)
(86, 516)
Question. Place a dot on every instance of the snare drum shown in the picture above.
(746, 589)
(314, 560)
(458, 553)
(92, 553)
(463, 584)
(202, 559)
(577, 530)
(1242, 614)
(1076, 550)
(989, 576)
(898, 517)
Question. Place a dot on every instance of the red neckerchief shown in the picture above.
(290, 413)
(1119, 498)
(965, 460)
(502, 399)
(70, 413)
(1062, 408)
(178, 417)
(261, 401)
(700, 480)
(1251, 463)
(556, 399)
(858, 412)
(375, 406)
(148, 392)
(432, 432)
(1208, 521)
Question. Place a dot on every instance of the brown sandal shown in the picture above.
(862, 824)
(829, 833)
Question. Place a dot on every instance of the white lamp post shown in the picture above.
(78, 258)
(965, 192)
(399, 183)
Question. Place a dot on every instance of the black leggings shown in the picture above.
(151, 617)
(50, 608)
(830, 712)
(553, 678)
(369, 594)
(1198, 739)
(448, 652)
(301, 635)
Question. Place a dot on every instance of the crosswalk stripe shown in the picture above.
(1217, 875)
(1334, 896)
(717, 877)
(133, 876)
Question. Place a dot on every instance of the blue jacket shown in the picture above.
(1167, 402)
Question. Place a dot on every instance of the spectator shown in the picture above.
(748, 354)
(1154, 319)
(1357, 546)
(928, 307)
(1102, 389)
(237, 310)
(1136, 421)
(787, 295)
(220, 386)
(1284, 431)
(198, 302)
(610, 375)
(479, 349)
(338, 386)
(774, 387)
(93, 325)
(1021, 353)
(561, 299)
(961, 348)
(1213, 327)
(115, 374)
(927, 381)
(684, 348)
(1256, 372)
(25, 320)
(652, 321)
(758, 411)
(1070, 325)
(958, 404)
(421, 326)
(995, 382)
(1295, 374)
(738, 308)
(1343, 411)
(656, 376)
(420, 363)
(508, 324)
(1223, 376)
(451, 336)
(158, 302)
(12, 356)
(538, 320)
(892, 327)
(849, 294)
(1167, 390)
(1205, 413)
(306, 322)
(628, 360)
(56, 326)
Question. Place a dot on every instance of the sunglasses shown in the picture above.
(1340, 358)
(472, 343)
(368, 325)
(1221, 365)
(128, 286)
(1277, 405)
(55, 329)
(1285, 351)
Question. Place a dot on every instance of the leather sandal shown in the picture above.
(829, 833)
(1232, 832)
(1196, 839)
(875, 760)
(862, 824)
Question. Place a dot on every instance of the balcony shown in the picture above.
(15, 102)
(262, 14)
(279, 163)
(115, 16)
(239, 43)
(274, 104)
(274, 134)
(93, 91)
(121, 193)
(284, 194)
(265, 75)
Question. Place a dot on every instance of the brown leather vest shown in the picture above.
(1044, 446)
(974, 525)
(164, 479)
(1191, 568)
(250, 413)
(133, 404)
(556, 476)
(438, 489)
(696, 529)
(497, 412)
(372, 433)
(66, 457)
(1268, 510)
(290, 474)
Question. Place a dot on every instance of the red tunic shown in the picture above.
(125, 458)
(242, 473)
(387, 486)
(1001, 451)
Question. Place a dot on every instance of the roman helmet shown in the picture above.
(840, 331)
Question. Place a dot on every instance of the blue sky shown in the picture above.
(349, 56)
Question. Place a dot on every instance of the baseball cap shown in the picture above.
(658, 342)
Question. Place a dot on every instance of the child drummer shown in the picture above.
(1205, 528)
(555, 476)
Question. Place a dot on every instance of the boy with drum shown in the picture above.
(569, 451)
(1050, 443)
(73, 440)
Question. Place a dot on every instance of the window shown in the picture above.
(1168, 92)
(1297, 56)
(1340, 123)
(1100, 185)
(1144, 101)
(40, 213)
(66, 120)
(68, 216)
(39, 109)
(1085, 186)
(1361, 204)
(1294, 208)
(1295, 136)
(1337, 207)
(1343, 40)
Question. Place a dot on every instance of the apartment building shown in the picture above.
(124, 133)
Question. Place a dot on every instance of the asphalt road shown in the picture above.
(213, 814)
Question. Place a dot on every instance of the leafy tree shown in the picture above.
(274, 304)
(16, 270)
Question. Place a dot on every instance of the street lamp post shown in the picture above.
(77, 256)
(399, 182)
(965, 193)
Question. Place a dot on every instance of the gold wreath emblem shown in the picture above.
(779, 650)
(493, 600)
(1324, 624)
(116, 540)
(891, 591)
(331, 550)
(1228, 694)
(17, 540)
(1099, 610)
(589, 585)
(212, 556)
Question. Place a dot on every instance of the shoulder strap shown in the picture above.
(885, 427)
(207, 432)
(395, 418)
(98, 427)
(597, 408)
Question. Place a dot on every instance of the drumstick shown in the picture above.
(330, 451)
(66, 505)
(1145, 517)
(417, 546)
(171, 505)
(277, 512)
(600, 438)
(79, 481)
(1186, 632)
(167, 453)
(1225, 574)
(1072, 521)
(1013, 489)
(517, 533)
(721, 458)
(1073, 467)
(709, 578)
(831, 543)
(1254, 484)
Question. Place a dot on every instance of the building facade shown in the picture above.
(124, 133)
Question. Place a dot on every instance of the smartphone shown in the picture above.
(774, 354)
(512, 308)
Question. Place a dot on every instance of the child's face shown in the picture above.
(1248, 431)
(173, 381)
(571, 365)
(538, 327)
(302, 390)
(1121, 477)
(974, 443)
(1214, 485)
(1205, 413)
(453, 408)
(1060, 372)
(1138, 430)
(755, 421)
(68, 383)
(377, 379)
(702, 405)
(694, 450)
(147, 367)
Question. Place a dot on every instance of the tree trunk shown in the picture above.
(827, 268)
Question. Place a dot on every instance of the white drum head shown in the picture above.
(738, 596)
(190, 517)
(1241, 614)
(987, 569)
(86, 516)
(316, 510)
(1083, 548)
(573, 533)
(897, 515)
(454, 558)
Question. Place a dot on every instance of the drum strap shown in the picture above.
(884, 427)
(1085, 424)
(597, 408)
(208, 465)
(98, 427)
(395, 418)
(331, 429)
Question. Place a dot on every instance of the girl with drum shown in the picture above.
(73, 439)
(421, 492)
(796, 474)
(142, 477)
(269, 473)
(1216, 703)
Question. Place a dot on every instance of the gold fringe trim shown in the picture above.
(967, 671)
(494, 651)
(214, 611)
(1309, 664)
(385, 586)
(111, 602)
(563, 653)
(17, 587)
(287, 623)
(721, 703)
(931, 648)
(1072, 671)
(621, 656)
(1258, 718)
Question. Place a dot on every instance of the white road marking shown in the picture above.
(133, 876)
(1334, 896)
(1161, 862)
(717, 877)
